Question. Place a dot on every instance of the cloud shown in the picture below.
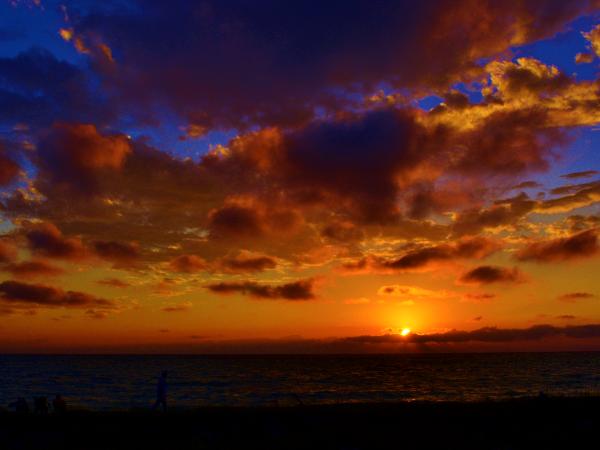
(122, 254)
(33, 268)
(583, 174)
(593, 37)
(492, 274)
(527, 185)
(250, 218)
(583, 195)
(486, 334)
(566, 317)
(295, 291)
(46, 239)
(188, 264)
(9, 169)
(584, 58)
(39, 89)
(247, 263)
(8, 251)
(572, 297)
(342, 231)
(578, 246)
(75, 155)
(424, 258)
(14, 292)
(287, 78)
(114, 282)
(477, 297)
(502, 213)
(580, 222)
(234, 220)
(180, 307)
(526, 76)
(356, 177)
(412, 292)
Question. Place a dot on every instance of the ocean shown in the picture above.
(121, 382)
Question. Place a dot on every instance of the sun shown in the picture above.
(405, 331)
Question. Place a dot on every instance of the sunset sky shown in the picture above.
(299, 176)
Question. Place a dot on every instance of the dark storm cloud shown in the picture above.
(47, 296)
(492, 274)
(577, 246)
(295, 291)
(186, 54)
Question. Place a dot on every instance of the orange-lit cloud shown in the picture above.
(37, 295)
(46, 239)
(32, 269)
(188, 264)
(295, 291)
(573, 297)
(578, 246)
(492, 274)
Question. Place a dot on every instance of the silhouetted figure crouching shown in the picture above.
(161, 392)
(20, 406)
(59, 405)
(40, 405)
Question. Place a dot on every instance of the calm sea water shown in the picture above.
(123, 382)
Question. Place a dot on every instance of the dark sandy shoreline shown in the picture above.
(531, 423)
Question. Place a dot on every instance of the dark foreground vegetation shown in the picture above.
(567, 423)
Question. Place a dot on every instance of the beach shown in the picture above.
(526, 423)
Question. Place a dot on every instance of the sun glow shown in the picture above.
(405, 331)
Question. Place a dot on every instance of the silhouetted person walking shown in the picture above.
(161, 392)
